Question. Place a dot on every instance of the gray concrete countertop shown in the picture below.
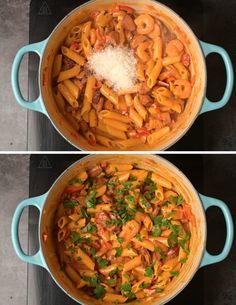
(14, 187)
(14, 24)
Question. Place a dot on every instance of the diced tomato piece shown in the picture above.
(74, 46)
(186, 60)
(142, 132)
(94, 14)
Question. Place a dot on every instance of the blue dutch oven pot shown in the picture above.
(47, 49)
(47, 203)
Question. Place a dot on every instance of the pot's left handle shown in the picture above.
(37, 48)
(207, 104)
(209, 259)
(36, 259)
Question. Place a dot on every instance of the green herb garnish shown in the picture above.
(118, 251)
(102, 262)
(84, 213)
(75, 181)
(138, 237)
(89, 228)
(70, 204)
(111, 282)
(149, 271)
(113, 272)
(174, 273)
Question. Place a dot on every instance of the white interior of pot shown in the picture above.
(156, 164)
(175, 23)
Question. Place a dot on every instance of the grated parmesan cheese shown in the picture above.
(116, 65)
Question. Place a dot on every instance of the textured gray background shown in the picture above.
(14, 23)
(14, 186)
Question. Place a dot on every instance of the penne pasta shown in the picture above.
(73, 56)
(67, 74)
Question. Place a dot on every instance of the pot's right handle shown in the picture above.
(209, 259)
(36, 259)
(38, 104)
(207, 104)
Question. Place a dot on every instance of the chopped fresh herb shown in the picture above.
(99, 201)
(149, 271)
(88, 240)
(178, 199)
(120, 240)
(130, 295)
(183, 242)
(144, 285)
(114, 222)
(159, 290)
(118, 251)
(177, 229)
(88, 181)
(84, 213)
(183, 260)
(92, 251)
(174, 273)
(148, 180)
(125, 287)
(113, 272)
(161, 252)
(79, 258)
(90, 199)
(75, 181)
(75, 237)
(148, 196)
(128, 217)
(170, 215)
(132, 178)
(161, 221)
(120, 200)
(127, 184)
(99, 291)
(172, 240)
(94, 281)
(165, 203)
(129, 198)
(144, 203)
(138, 237)
(126, 276)
(111, 282)
(89, 228)
(156, 231)
(113, 183)
(102, 262)
(70, 204)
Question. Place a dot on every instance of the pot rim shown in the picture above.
(163, 161)
(203, 92)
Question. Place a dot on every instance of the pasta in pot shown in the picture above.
(123, 233)
(151, 107)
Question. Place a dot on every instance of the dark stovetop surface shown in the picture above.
(212, 175)
(212, 21)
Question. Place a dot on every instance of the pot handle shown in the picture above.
(37, 48)
(207, 104)
(209, 259)
(36, 259)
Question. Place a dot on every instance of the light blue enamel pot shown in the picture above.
(47, 204)
(47, 49)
